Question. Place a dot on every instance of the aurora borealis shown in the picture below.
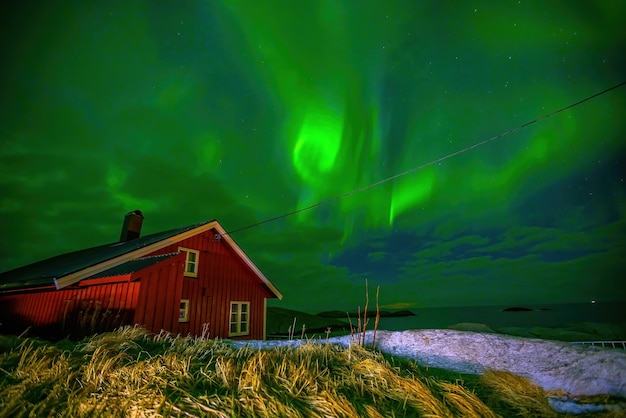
(243, 111)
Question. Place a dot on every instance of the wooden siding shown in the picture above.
(222, 278)
(150, 297)
(160, 295)
(72, 312)
(82, 310)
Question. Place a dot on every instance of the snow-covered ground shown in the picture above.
(553, 365)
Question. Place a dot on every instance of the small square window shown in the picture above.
(183, 313)
(239, 318)
(191, 261)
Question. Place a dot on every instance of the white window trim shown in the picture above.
(183, 313)
(238, 320)
(187, 252)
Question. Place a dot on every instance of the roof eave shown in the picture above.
(77, 276)
(248, 261)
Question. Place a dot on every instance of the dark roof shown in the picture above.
(43, 272)
(132, 266)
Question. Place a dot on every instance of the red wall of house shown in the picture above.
(222, 278)
(75, 311)
(160, 295)
(150, 297)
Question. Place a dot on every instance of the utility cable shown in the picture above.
(438, 160)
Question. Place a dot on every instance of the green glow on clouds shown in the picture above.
(318, 144)
(243, 111)
(409, 193)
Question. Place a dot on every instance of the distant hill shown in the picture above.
(280, 319)
(370, 314)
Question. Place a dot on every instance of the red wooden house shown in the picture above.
(193, 280)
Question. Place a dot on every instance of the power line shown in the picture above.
(438, 160)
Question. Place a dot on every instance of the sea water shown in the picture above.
(494, 316)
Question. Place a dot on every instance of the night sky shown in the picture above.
(243, 111)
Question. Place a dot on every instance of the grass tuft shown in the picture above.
(132, 373)
(524, 397)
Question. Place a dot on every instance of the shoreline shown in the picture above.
(281, 321)
(579, 332)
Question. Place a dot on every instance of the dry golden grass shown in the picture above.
(526, 398)
(464, 402)
(130, 373)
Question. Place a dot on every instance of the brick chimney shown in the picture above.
(132, 226)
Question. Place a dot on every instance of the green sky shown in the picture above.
(246, 110)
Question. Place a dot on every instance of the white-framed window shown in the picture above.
(239, 319)
(183, 313)
(192, 257)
